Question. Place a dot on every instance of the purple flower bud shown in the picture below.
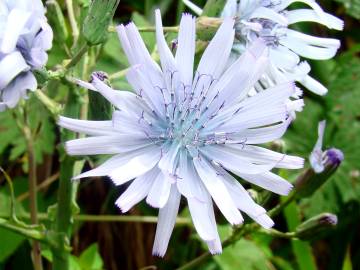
(323, 166)
(312, 227)
(334, 157)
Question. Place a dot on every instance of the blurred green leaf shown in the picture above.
(90, 259)
(41, 125)
(9, 241)
(352, 7)
(74, 261)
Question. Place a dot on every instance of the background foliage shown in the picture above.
(110, 245)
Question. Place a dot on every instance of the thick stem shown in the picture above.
(62, 228)
(64, 213)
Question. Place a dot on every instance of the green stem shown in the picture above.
(277, 209)
(64, 211)
(276, 233)
(12, 195)
(77, 57)
(32, 191)
(22, 230)
(53, 107)
(180, 221)
(114, 218)
(72, 19)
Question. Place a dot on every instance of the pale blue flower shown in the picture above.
(270, 20)
(25, 36)
(185, 134)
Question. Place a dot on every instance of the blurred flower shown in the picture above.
(184, 134)
(270, 19)
(25, 36)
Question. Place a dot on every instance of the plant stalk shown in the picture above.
(36, 250)
(72, 19)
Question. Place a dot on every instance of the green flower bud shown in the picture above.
(57, 20)
(311, 228)
(98, 19)
(310, 181)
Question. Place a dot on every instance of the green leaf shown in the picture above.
(352, 7)
(74, 261)
(42, 128)
(90, 259)
(10, 241)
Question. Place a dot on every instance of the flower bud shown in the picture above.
(310, 181)
(311, 228)
(98, 19)
(206, 27)
(323, 166)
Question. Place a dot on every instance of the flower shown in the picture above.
(329, 159)
(270, 20)
(323, 165)
(25, 36)
(186, 134)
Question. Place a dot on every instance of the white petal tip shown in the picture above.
(287, 190)
(265, 221)
(123, 208)
(158, 253)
